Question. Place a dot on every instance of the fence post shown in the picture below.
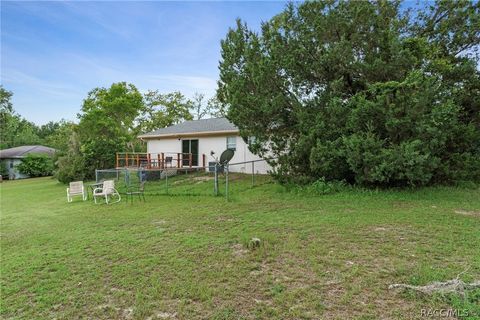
(226, 181)
(96, 175)
(253, 173)
(166, 180)
(215, 185)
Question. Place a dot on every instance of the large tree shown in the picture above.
(14, 130)
(107, 123)
(359, 90)
(163, 110)
(203, 107)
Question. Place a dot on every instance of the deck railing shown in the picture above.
(159, 160)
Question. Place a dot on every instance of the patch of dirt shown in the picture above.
(127, 313)
(206, 178)
(224, 219)
(468, 213)
(163, 315)
(238, 250)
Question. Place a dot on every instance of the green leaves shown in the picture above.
(359, 90)
(163, 110)
(36, 165)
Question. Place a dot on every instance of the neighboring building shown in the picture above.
(13, 156)
(196, 139)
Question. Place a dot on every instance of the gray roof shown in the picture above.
(20, 152)
(194, 126)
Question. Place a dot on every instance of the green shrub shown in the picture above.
(3, 169)
(318, 187)
(70, 167)
(392, 107)
(36, 165)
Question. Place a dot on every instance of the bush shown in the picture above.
(71, 164)
(36, 165)
(356, 91)
(4, 170)
(71, 167)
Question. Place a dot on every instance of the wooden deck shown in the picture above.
(159, 160)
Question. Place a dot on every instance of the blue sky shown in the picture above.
(53, 53)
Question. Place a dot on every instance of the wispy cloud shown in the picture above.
(54, 52)
(56, 89)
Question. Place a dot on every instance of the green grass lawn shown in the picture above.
(187, 257)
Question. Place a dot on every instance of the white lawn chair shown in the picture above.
(108, 190)
(76, 188)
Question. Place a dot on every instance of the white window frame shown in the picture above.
(232, 145)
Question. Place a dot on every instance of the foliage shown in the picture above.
(15, 131)
(71, 165)
(110, 121)
(5, 100)
(206, 108)
(59, 137)
(107, 123)
(163, 110)
(359, 91)
(36, 165)
(3, 169)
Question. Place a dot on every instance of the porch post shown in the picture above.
(178, 160)
(190, 156)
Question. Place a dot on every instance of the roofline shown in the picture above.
(187, 134)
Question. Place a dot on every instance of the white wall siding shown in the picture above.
(13, 172)
(216, 144)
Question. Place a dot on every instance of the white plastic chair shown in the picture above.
(108, 190)
(76, 188)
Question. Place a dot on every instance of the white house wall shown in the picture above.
(218, 145)
(13, 172)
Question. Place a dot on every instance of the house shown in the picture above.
(13, 156)
(190, 145)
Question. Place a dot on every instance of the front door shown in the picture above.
(190, 146)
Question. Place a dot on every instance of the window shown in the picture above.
(11, 164)
(232, 143)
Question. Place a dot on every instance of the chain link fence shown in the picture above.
(229, 180)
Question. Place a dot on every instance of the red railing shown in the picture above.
(159, 160)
